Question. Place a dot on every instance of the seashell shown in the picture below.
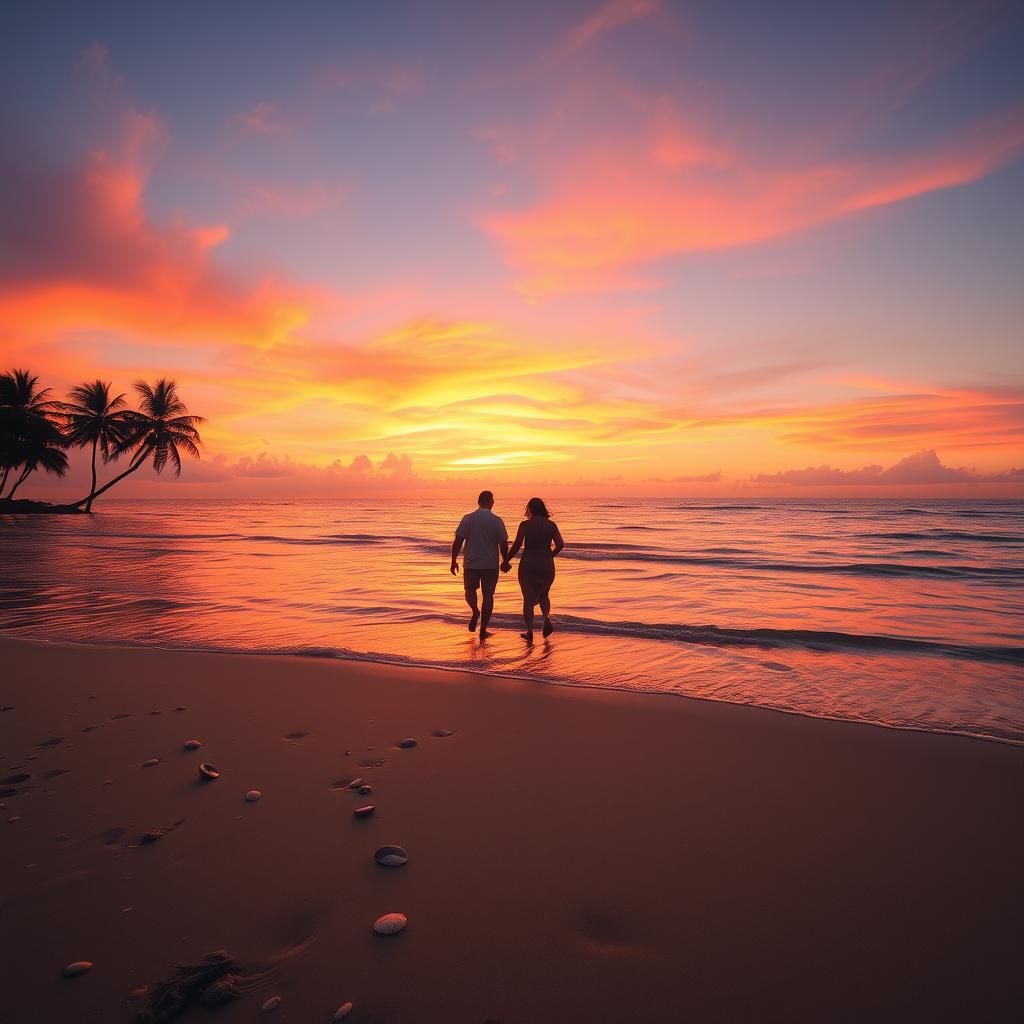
(366, 790)
(343, 1011)
(152, 761)
(363, 812)
(192, 744)
(77, 968)
(271, 1004)
(390, 924)
(208, 772)
(441, 733)
(11, 821)
(252, 796)
(407, 743)
(391, 856)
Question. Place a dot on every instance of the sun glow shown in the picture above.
(562, 258)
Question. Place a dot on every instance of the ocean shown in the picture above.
(903, 614)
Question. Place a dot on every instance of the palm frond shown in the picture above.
(187, 444)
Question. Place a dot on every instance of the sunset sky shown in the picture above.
(624, 246)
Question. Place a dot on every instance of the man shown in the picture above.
(484, 535)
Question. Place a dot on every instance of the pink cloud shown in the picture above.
(292, 201)
(923, 467)
(610, 15)
(642, 182)
(83, 252)
(265, 466)
(262, 119)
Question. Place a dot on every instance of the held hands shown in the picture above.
(505, 566)
(455, 568)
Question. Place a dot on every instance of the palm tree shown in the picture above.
(42, 451)
(92, 417)
(29, 437)
(161, 427)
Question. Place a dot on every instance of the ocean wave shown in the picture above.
(806, 639)
(937, 534)
(590, 554)
(721, 508)
(990, 732)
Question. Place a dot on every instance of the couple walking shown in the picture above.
(484, 536)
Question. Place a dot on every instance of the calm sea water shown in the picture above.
(907, 615)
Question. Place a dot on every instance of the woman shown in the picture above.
(536, 535)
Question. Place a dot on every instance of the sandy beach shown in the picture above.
(573, 855)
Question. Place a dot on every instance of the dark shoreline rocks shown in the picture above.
(30, 507)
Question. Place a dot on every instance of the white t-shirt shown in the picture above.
(482, 531)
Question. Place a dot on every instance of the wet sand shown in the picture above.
(574, 855)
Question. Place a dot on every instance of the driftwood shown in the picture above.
(214, 980)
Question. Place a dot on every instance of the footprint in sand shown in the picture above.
(609, 933)
(110, 836)
(296, 735)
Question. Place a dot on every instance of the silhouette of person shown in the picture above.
(536, 535)
(484, 535)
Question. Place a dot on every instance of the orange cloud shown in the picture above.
(627, 197)
(964, 418)
(82, 254)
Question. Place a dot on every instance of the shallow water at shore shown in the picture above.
(904, 614)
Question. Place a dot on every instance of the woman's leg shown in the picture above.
(528, 616)
(545, 607)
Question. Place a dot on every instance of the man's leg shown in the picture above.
(470, 580)
(488, 581)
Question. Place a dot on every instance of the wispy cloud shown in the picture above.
(627, 195)
(609, 16)
(292, 201)
(262, 119)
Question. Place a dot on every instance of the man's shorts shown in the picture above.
(474, 578)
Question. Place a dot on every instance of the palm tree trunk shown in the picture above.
(92, 490)
(136, 462)
(10, 494)
(3, 479)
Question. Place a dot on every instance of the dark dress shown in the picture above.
(537, 564)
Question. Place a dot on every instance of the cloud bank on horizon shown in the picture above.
(631, 244)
